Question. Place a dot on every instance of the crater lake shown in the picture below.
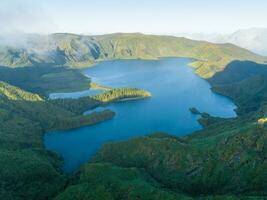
(175, 88)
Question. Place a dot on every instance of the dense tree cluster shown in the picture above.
(27, 171)
(121, 93)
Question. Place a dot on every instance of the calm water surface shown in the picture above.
(174, 87)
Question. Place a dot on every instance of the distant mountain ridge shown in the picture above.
(254, 39)
(81, 51)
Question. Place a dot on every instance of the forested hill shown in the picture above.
(81, 51)
(27, 170)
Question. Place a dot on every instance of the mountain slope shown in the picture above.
(14, 93)
(27, 170)
(81, 51)
(244, 82)
(45, 79)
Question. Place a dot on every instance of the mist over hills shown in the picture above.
(254, 39)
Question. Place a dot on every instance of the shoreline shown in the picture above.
(132, 98)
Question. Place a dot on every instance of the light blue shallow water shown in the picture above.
(74, 95)
(174, 87)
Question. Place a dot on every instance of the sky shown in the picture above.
(146, 16)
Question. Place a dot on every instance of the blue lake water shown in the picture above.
(74, 95)
(174, 87)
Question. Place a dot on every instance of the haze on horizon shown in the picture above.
(150, 16)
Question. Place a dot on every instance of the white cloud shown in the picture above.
(24, 16)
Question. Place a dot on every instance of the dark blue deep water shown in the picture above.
(174, 87)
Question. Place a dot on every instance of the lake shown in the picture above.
(174, 87)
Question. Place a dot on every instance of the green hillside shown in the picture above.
(45, 79)
(13, 93)
(106, 182)
(27, 170)
(245, 83)
(82, 51)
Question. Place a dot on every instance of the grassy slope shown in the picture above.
(212, 57)
(78, 51)
(226, 160)
(45, 79)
